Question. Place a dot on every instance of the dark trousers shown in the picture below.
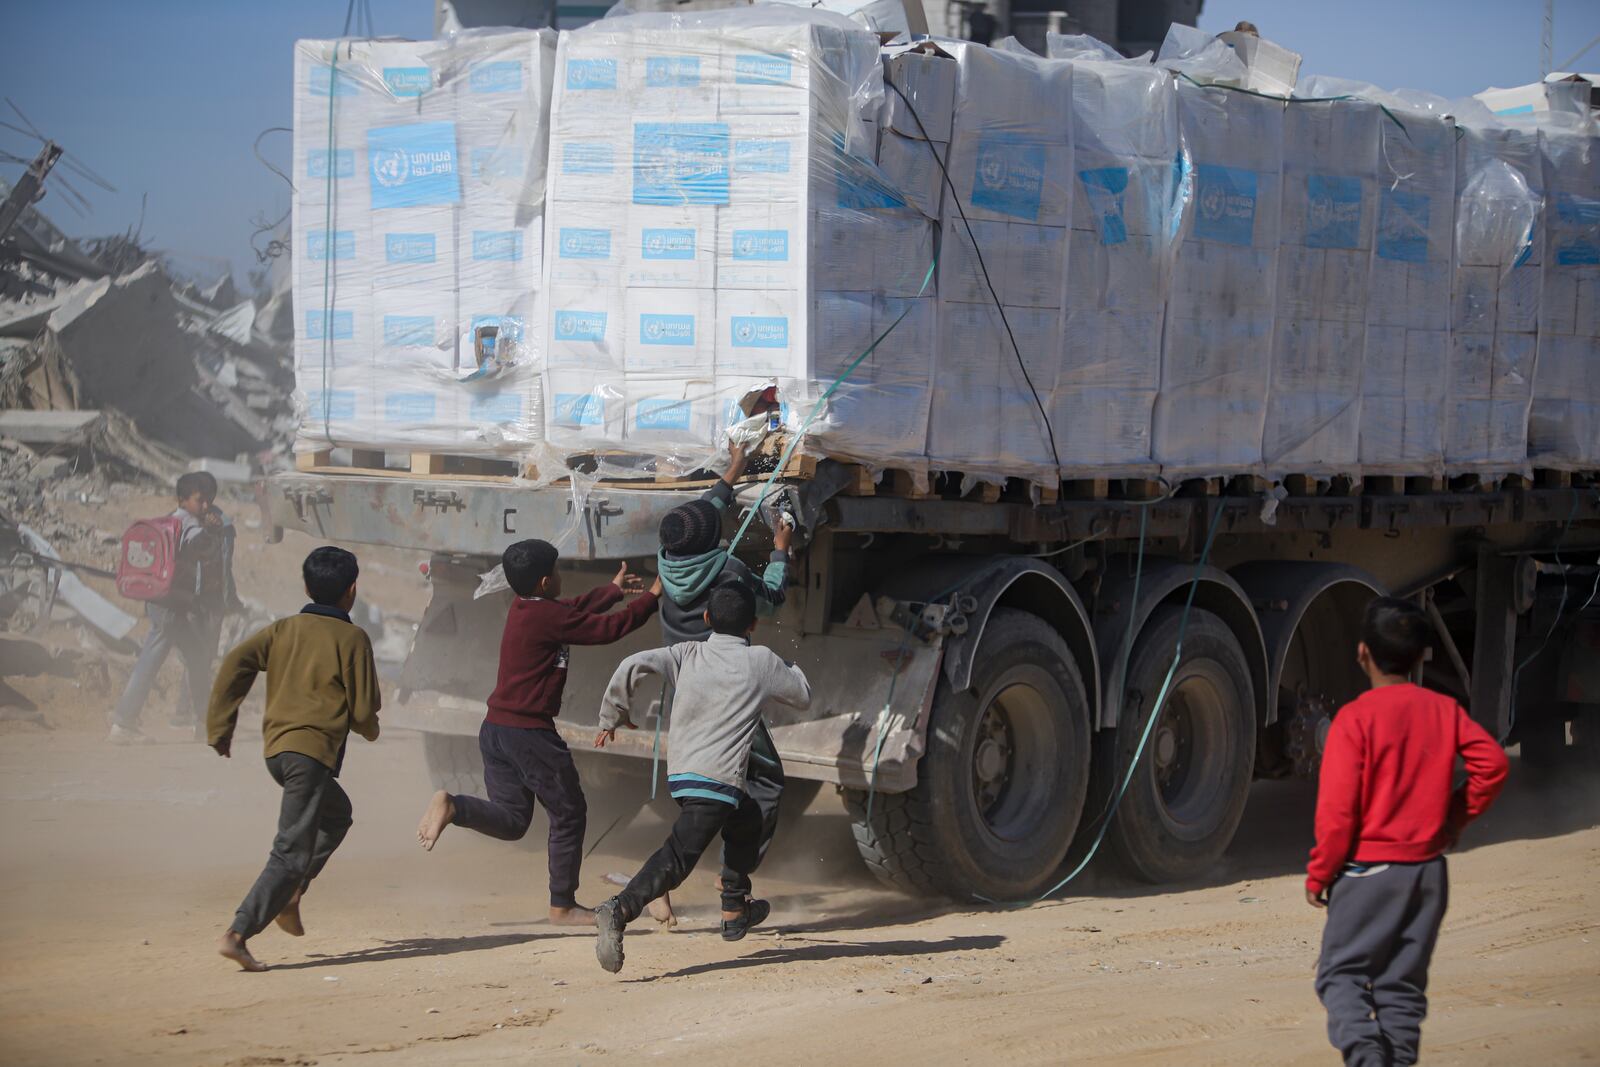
(194, 636)
(1373, 973)
(763, 782)
(521, 766)
(313, 819)
(698, 824)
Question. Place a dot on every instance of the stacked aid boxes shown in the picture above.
(418, 222)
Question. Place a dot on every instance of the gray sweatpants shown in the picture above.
(1383, 921)
(313, 818)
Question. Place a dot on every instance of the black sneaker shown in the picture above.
(608, 940)
(755, 913)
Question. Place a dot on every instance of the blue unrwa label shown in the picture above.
(770, 246)
(587, 158)
(408, 81)
(408, 331)
(1225, 204)
(501, 245)
(671, 72)
(500, 77)
(591, 74)
(409, 407)
(413, 166)
(319, 248)
(1105, 188)
(661, 413)
(759, 331)
(500, 408)
(1575, 237)
(675, 244)
(338, 326)
(578, 242)
(331, 403)
(761, 155)
(666, 329)
(1333, 211)
(321, 163)
(409, 247)
(579, 325)
(1008, 176)
(580, 409)
(1403, 226)
(680, 163)
(761, 70)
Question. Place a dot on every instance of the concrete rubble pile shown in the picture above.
(1047, 267)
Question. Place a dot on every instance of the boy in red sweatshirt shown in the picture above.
(524, 758)
(1385, 815)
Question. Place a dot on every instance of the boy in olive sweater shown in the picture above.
(322, 683)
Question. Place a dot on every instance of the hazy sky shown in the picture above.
(165, 97)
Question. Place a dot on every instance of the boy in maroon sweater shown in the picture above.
(1385, 815)
(524, 758)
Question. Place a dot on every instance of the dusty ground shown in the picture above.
(123, 864)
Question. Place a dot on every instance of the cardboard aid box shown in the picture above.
(669, 330)
(1269, 68)
(582, 409)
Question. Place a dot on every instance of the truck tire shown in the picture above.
(454, 763)
(1001, 786)
(1186, 797)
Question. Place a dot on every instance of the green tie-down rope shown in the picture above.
(766, 487)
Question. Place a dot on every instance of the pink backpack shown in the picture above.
(149, 558)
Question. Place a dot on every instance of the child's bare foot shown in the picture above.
(231, 945)
(574, 916)
(289, 918)
(660, 910)
(441, 810)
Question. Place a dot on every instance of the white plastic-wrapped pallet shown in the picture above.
(1564, 427)
(1002, 266)
(1330, 198)
(1498, 267)
(1216, 354)
(417, 224)
(713, 198)
(1125, 142)
(1408, 296)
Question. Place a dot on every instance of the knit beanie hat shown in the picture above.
(692, 528)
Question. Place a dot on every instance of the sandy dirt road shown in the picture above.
(121, 866)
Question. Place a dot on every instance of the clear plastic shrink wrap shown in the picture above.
(1564, 427)
(418, 221)
(1119, 259)
(1010, 164)
(1494, 320)
(718, 224)
(1211, 411)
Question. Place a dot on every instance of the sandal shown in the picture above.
(755, 913)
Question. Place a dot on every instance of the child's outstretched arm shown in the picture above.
(361, 690)
(787, 684)
(1338, 807)
(1486, 772)
(584, 628)
(234, 678)
(618, 699)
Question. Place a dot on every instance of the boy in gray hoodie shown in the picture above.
(721, 684)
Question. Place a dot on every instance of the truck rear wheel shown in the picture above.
(1001, 786)
(1188, 791)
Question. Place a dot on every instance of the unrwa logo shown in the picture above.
(992, 169)
(655, 244)
(1213, 202)
(390, 167)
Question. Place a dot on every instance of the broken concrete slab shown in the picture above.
(44, 428)
(90, 606)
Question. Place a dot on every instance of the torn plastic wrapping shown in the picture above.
(1498, 266)
(418, 230)
(719, 223)
(1564, 425)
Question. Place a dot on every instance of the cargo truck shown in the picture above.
(985, 664)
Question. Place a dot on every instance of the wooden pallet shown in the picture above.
(373, 462)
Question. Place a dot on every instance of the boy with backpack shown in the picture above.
(322, 683)
(692, 562)
(721, 684)
(524, 758)
(185, 599)
(1386, 813)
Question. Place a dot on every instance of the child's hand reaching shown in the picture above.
(629, 583)
(783, 537)
(224, 748)
(605, 737)
(655, 586)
